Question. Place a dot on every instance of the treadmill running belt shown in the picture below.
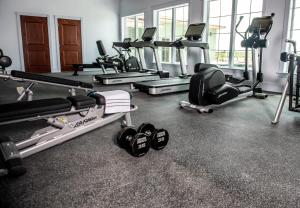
(164, 82)
(123, 75)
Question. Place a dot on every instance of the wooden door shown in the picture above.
(70, 43)
(35, 44)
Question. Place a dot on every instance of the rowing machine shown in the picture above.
(67, 119)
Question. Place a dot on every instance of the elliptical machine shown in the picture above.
(208, 86)
(130, 63)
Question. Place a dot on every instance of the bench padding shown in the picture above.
(82, 102)
(28, 109)
(50, 79)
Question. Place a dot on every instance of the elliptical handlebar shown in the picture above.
(293, 43)
(237, 25)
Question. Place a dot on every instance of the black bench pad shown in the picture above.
(28, 109)
(50, 79)
(82, 102)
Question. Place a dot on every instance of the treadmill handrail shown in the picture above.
(142, 44)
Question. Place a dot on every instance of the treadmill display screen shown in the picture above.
(126, 40)
(149, 33)
(195, 31)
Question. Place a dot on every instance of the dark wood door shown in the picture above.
(70, 43)
(35, 44)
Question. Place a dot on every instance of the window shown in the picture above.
(172, 23)
(225, 45)
(133, 26)
(295, 28)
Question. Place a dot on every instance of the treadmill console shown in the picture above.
(149, 34)
(126, 40)
(195, 31)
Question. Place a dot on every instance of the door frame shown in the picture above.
(56, 17)
(20, 39)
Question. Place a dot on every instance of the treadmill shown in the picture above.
(177, 84)
(144, 74)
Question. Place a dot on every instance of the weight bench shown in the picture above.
(34, 79)
(67, 118)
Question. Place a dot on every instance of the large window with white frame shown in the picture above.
(294, 33)
(222, 16)
(171, 22)
(133, 26)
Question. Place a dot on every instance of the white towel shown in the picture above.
(116, 101)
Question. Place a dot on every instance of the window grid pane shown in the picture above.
(295, 26)
(220, 15)
(166, 19)
(140, 26)
(249, 9)
(133, 27)
(181, 25)
(220, 29)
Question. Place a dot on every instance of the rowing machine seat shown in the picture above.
(28, 109)
(82, 102)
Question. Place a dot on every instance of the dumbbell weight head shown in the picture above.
(125, 135)
(138, 144)
(159, 139)
(146, 128)
(5, 61)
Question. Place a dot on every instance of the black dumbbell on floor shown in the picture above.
(158, 137)
(138, 144)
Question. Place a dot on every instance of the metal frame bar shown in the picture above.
(9, 77)
(210, 108)
(232, 36)
(67, 128)
(27, 92)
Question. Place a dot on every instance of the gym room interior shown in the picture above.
(162, 103)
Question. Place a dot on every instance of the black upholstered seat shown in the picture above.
(28, 109)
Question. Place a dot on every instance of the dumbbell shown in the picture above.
(158, 137)
(138, 144)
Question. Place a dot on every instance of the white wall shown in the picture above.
(100, 21)
(272, 67)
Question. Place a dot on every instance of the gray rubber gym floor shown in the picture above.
(233, 157)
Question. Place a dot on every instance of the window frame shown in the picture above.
(234, 15)
(291, 21)
(156, 24)
(123, 22)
